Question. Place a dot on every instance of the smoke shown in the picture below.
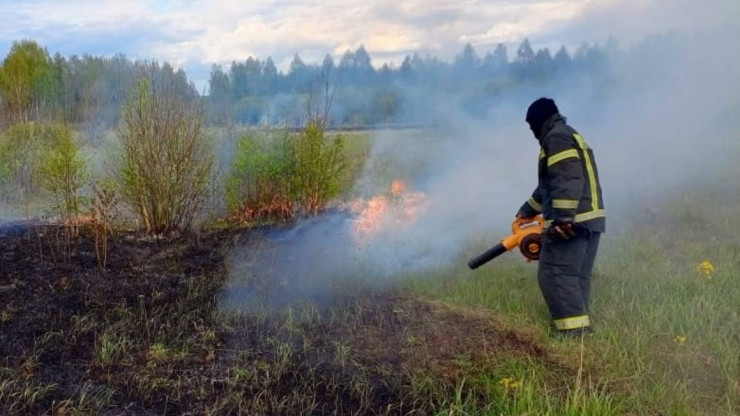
(668, 121)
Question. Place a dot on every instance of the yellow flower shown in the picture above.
(680, 339)
(510, 383)
(706, 268)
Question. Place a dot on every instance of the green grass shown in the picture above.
(667, 333)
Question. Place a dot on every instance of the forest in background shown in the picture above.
(88, 91)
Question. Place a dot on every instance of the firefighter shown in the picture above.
(568, 195)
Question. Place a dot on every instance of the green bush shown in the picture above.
(166, 159)
(319, 168)
(259, 186)
(275, 176)
(29, 153)
(63, 172)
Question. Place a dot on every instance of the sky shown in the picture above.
(194, 34)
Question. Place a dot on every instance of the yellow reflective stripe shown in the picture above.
(534, 204)
(573, 322)
(590, 170)
(565, 203)
(599, 213)
(565, 154)
(582, 143)
(542, 153)
(590, 215)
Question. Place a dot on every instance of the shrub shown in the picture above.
(166, 159)
(319, 168)
(103, 210)
(25, 149)
(63, 172)
(275, 176)
(259, 186)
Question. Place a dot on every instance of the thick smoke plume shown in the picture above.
(668, 123)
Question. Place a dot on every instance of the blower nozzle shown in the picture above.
(526, 236)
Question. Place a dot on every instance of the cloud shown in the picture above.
(197, 33)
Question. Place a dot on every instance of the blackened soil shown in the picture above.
(146, 336)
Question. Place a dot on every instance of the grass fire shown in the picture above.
(398, 208)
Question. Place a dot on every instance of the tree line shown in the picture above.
(80, 90)
(89, 90)
(255, 92)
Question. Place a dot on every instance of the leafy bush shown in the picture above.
(319, 165)
(30, 162)
(275, 176)
(260, 187)
(20, 150)
(63, 172)
(166, 159)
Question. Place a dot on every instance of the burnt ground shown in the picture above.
(146, 336)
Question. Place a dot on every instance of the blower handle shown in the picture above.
(520, 223)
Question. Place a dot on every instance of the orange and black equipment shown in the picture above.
(525, 234)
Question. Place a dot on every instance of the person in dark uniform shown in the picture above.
(568, 195)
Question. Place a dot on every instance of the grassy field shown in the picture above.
(147, 335)
(665, 308)
(150, 334)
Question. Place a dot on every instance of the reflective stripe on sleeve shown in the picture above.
(534, 204)
(565, 154)
(542, 154)
(573, 322)
(565, 203)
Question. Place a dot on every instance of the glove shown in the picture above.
(564, 229)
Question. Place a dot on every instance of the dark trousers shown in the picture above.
(564, 276)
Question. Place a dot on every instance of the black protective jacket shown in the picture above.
(568, 188)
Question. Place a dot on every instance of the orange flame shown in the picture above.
(397, 209)
(398, 188)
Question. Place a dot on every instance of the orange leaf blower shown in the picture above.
(526, 236)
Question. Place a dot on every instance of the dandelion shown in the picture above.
(510, 383)
(680, 339)
(706, 268)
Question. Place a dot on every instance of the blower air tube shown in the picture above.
(489, 255)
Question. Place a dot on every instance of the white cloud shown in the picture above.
(190, 32)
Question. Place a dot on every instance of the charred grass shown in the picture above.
(146, 336)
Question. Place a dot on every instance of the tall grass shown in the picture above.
(667, 324)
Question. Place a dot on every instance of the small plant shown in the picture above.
(342, 353)
(63, 174)
(705, 269)
(158, 352)
(103, 207)
(112, 347)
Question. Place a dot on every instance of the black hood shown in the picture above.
(539, 112)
